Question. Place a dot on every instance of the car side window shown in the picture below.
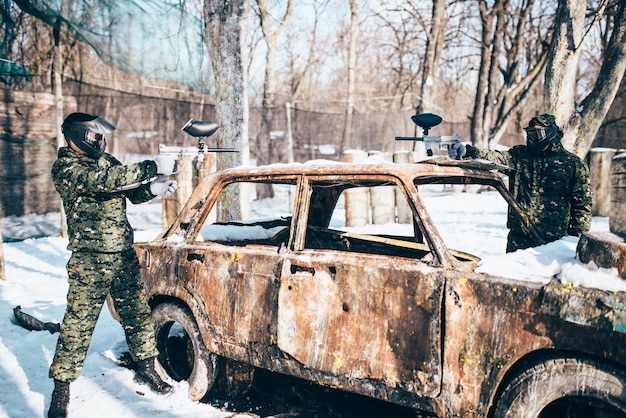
(266, 212)
(461, 210)
(368, 218)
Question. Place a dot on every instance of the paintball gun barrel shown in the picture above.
(426, 121)
(199, 129)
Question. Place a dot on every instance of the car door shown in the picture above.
(233, 268)
(236, 285)
(361, 315)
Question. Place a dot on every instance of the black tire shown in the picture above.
(565, 388)
(182, 353)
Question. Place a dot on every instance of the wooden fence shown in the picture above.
(27, 151)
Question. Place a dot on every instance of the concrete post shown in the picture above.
(600, 177)
(357, 200)
(617, 217)
(403, 210)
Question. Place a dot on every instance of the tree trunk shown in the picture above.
(499, 10)
(434, 45)
(581, 125)
(225, 36)
(510, 67)
(477, 133)
(57, 87)
(563, 60)
(347, 125)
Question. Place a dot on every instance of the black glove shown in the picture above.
(457, 151)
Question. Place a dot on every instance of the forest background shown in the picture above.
(294, 82)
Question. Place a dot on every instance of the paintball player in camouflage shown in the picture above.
(550, 183)
(94, 187)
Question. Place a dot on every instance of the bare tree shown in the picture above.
(270, 35)
(404, 28)
(582, 119)
(419, 39)
(301, 63)
(226, 25)
(512, 59)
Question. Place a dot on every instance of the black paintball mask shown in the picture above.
(541, 132)
(87, 132)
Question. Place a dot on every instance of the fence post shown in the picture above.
(617, 218)
(600, 177)
(186, 177)
(383, 199)
(357, 200)
(209, 165)
(173, 203)
(405, 216)
(2, 273)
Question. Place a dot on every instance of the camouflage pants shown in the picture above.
(518, 241)
(91, 277)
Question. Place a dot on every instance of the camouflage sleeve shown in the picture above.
(107, 178)
(580, 208)
(499, 157)
(140, 195)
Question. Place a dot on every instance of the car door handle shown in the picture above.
(296, 268)
(195, 257)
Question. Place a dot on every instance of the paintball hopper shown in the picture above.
(200, 128)
(426, 121)
(203, 129)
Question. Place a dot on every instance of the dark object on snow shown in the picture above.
(33, 324)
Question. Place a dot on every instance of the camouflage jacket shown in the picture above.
(93, 199)
(553, 188)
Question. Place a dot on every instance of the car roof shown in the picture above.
(426, 168)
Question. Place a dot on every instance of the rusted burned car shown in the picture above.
(398, 317)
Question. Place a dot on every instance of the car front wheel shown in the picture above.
(565, 388)
(182, 353)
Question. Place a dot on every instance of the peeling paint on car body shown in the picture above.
(418, 328)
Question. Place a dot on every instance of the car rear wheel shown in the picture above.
(565, 388)
(182, 353)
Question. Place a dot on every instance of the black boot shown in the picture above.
(147, 375)
(60, 399)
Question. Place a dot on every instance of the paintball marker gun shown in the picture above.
(203, 129)
(426, 121)
(200, 129)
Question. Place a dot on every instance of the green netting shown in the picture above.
(151, 38)
(12, 69)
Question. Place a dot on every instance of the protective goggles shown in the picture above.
(93, 138)
(537, 134)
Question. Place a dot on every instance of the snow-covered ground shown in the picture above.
(36, 280)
